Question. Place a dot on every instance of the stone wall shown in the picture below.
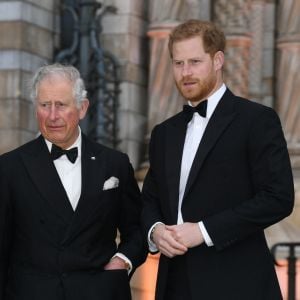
(26, 29)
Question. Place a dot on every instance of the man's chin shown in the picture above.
(190, 96)
(55, 139)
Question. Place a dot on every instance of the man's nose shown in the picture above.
(186, 70)
(53, 113)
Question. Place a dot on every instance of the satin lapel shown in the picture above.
(42, 171)
(221, 118)
(93, 170)
(175, 136)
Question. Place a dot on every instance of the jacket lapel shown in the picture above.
(221, 118)
(45, 177)
(175, 136)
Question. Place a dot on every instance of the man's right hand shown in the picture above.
(166, 243)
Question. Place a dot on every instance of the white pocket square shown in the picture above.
(111, 183)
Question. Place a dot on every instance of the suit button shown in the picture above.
(64, 275)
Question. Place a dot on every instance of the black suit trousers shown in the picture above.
(85, 285)
(177, 287)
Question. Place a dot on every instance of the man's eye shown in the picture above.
(178, 63)
(195, 61)
(44, 104)
(60, 104)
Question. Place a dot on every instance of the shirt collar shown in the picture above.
(213, 100)
(77, 143)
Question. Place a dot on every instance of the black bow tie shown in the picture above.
(190, 110)
(57, 152)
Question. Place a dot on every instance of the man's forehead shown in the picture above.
(53, 78)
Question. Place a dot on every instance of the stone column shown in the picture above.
(261, 66)
(233, 17)
(26, 30)
(124, 35)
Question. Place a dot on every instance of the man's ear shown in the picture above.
(218, 60)
(83, 108)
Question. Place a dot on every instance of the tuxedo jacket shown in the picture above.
(240, 183)
(50, 252)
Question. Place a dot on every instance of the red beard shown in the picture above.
(196, 90)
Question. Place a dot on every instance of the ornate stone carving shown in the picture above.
(236, 69)
(233, 18)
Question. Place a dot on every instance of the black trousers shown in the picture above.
(30, 284)
(177, 287)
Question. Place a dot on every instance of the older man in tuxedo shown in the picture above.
(219, 175)
(63, 198)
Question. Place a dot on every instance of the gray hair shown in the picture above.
(67, 71)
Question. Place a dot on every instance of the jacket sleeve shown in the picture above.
(131, 244)
(151, 213)
(272, 181)
(5, 229)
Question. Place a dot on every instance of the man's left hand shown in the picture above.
(188, 234)
(116, 263)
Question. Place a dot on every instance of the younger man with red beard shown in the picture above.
(219, 175)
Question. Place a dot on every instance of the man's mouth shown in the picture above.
(189, 83)
(54, 128)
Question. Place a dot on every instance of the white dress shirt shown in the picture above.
(194, 133)
(69, 173)
(193, 137)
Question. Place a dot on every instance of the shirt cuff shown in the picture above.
(151, 244)
(205, 235)
(125, 258)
